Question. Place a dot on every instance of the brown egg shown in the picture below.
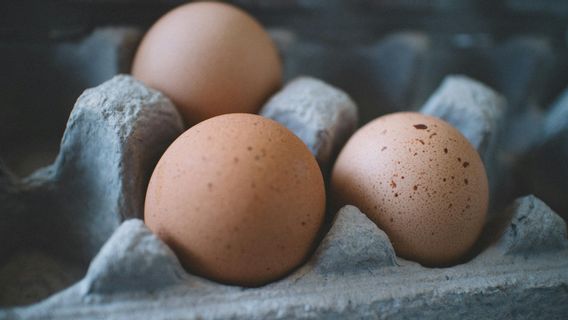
(420, 181)
(239, 198)
(210, 58)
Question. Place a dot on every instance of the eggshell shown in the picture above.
(239, 198)
(210, 58)
(419, 180)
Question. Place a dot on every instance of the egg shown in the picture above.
(419, 180)
(239, 198)
(209, 58)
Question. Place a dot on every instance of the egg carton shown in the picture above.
(73, 244)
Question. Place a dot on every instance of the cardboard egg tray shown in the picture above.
(72, 245)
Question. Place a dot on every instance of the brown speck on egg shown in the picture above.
(445, 150)
(420, 126)
(465, 164)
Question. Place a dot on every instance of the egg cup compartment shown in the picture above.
(115, 135)
(91, 197)
(39, 83)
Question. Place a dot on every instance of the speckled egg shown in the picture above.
(419, 180)
(239, 198)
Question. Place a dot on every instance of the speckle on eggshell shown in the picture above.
(445, 211)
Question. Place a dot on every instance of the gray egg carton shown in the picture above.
(73, 245)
